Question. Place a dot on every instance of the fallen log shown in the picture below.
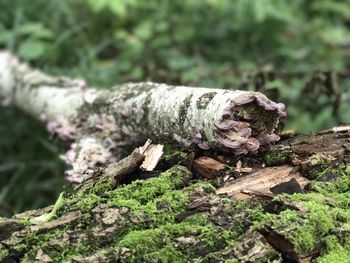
(101, 123)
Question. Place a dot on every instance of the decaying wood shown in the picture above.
(209, 167)
(114, 171)
(332, 146)
(145, 157)
(126, 166)
(106, 219)
(262, 181)
(152, 153)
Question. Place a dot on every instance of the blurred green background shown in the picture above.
(295, 51)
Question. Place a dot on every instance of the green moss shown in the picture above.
(26, 222)
(173, 202)
(155, 234)
(336, 252)
(322, 214)
(133, 195)
(319, 167)
(3, 253)
(86, 202)
(162, 243)
(277, 157)
(33, 242)
(341, 184)
(159, 201)
(205, 185)
(339, 255)
(167, 254)
(142, 196)
(102, 187)
(62, 251)
(144, 190)
(75, 249)
(129, 203)
(153, 205)
(175, 158)
(305, 231)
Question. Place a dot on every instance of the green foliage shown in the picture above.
(203, 43)
(30, 168)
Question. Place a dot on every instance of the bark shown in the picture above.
(100, 122)
(43, 96)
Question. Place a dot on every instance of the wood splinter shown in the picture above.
(145, 157)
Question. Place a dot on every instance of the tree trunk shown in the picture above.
(100, 122)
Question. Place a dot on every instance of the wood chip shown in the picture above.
(241, 169)
(208, 167)
(261, 181)
(152, 153)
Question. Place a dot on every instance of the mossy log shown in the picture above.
(177, 216)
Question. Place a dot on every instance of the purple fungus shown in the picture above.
(229, 144)
(244, 99)
(252, 145)
(197, 136)
(204, 146)
(245, 132)
(266, 104)
(228, 113)
(186, 144)
(248, 123)
(62, 128)
(268, 138)
(226, 125)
